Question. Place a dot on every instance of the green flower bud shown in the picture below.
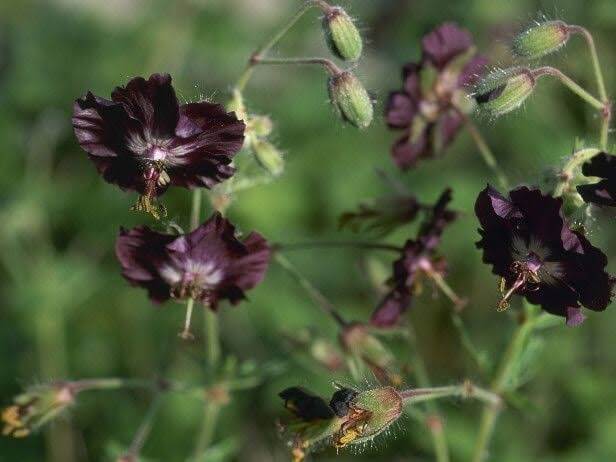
(261, 126)
(370, 413)
(342, 35)
(351, 99)
(35, 407)
(269, 157)
(504, 91)
(541, 40)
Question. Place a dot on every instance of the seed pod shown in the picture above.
(269, 157)
(342, 35)
(541, 40)
(504, 91)
(351, 99)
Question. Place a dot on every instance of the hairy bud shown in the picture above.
(260, 125)
(370, 413)
(351, 99)
(504, 90)
(342, 35)
(541, 40)
(269, 157)
(35, 407)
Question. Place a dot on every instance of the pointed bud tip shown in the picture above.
(342, 35)
(541, 39)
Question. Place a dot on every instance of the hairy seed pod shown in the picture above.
(269, 157)
(351, 99)
(342, 35)
(504, 91)
(541, 39)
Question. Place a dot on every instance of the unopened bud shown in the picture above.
(370, 413)
(351, 99)
(269, 157)
(504, 91)
(35, 407)
(342, 35)
(261, 126)
(541, 40)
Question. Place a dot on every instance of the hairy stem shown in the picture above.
(143, 431)
(576, 161)
(326, 63)
(503, 376)
(260, 51)
(485, 151)
(317, 297)
(464, 390)
(570, 84)
(594, 56)
(365, 245)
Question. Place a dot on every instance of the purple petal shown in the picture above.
(473, 71)
(399, 111)
(406, 154)
(391, 309)
(574, 316)
(444, 43)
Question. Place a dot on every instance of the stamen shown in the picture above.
(147, 202)
(186, 334)
(519, 282)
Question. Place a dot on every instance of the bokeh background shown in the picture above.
(67, 313)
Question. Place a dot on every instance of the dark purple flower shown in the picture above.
(530, 246)
(209, 264)
(429, 106)
(418, 257)
(144, 140)
(305, 405)
(603, 165)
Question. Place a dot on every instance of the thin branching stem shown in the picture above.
(594, 56)
(568, 171)
(465, 390)
(326, 63)
(570, 84)
(143, 432)
(317, 297)
(364, 245)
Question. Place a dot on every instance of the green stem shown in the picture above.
(365, 245)
(570, 84)
(595, 58)
(143, 431)
(112, 384)
(576, 161)
(465, 390)
(195, 210)
(326, 63)
(206, 435)
(485, 151)
(434, 423)
(446, 289)
(259, 52)
(212, 337)
(499, 385)
(319, 299)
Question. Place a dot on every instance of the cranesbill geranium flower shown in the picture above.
(429, 107)
(144, 140)
(603, 165)
(209, 264)
(419, 257)
(530, 246)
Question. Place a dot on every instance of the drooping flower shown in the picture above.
(429, 107)
(209, 264)
(419, 257)
(531, 247)
(144, 140)
(602, 165)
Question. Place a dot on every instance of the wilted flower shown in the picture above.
(144, 140)
(602, 165)
(428, 108)
(419, 257)
(34, 408)
(530, 246)
(383, 214)
(209, 264)
(351, 416)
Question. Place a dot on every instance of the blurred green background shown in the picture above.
(67, 313)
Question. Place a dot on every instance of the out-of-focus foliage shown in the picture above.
(66, 311)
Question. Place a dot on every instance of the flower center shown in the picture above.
(196, 280)
(527, 278)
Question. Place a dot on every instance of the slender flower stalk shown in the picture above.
(594, 56)
(485, 151)
(570, 84)
(143, 432)
(318, 298)
(326, 63)
(501, 381)
(268, 45)
(464, 390)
